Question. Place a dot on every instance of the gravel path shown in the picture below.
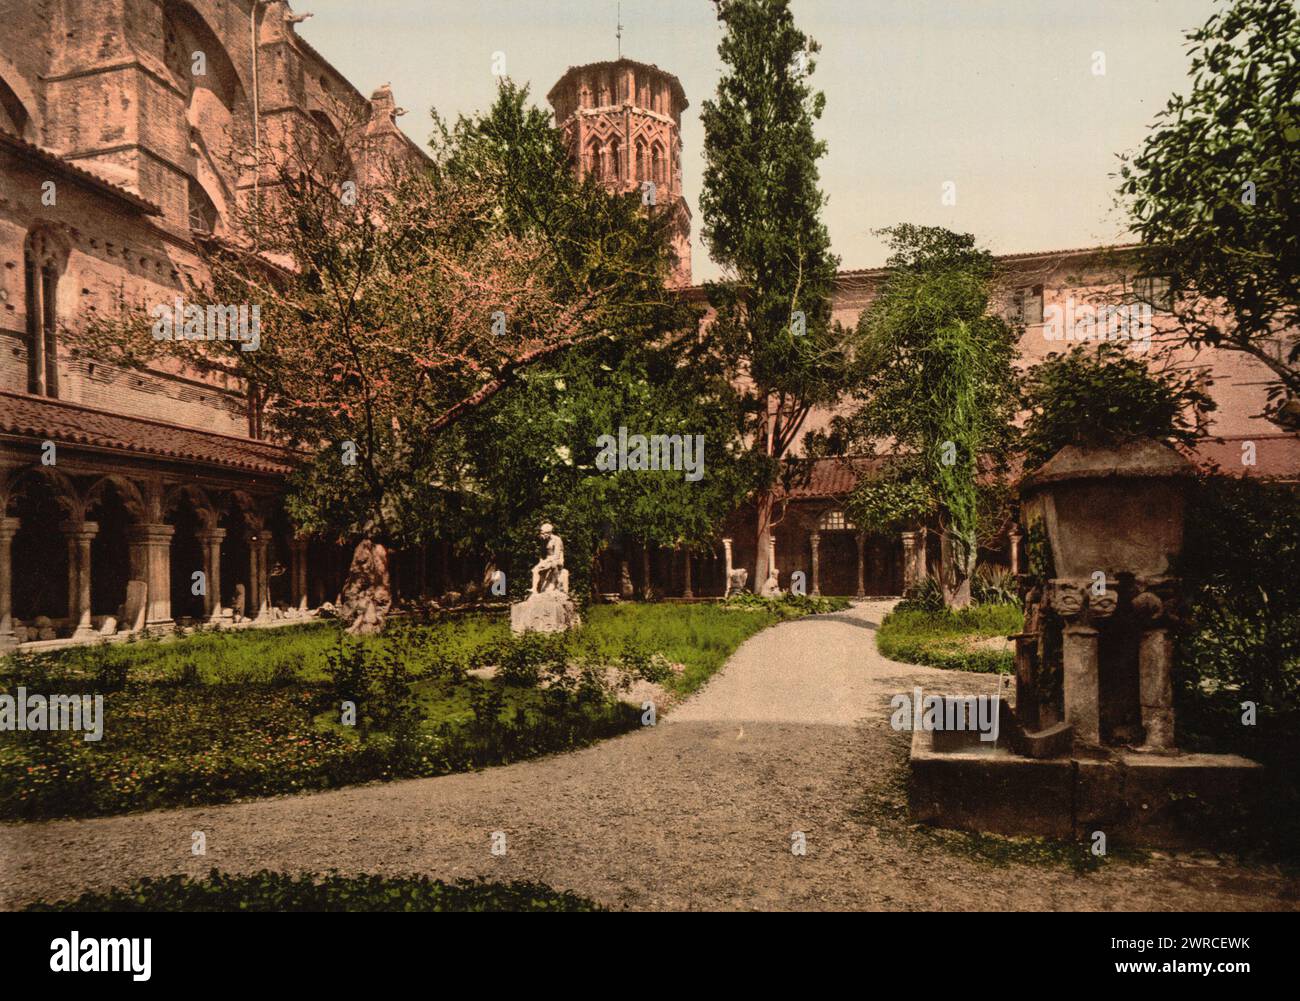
(697, 812)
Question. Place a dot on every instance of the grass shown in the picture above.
(699, 636)
(215, 717)
(272, 892)
(951, 639)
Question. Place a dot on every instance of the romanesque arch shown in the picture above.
(192, 517)
(241, 547)
(46, 504)
(114, 504)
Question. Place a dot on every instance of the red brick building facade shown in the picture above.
(129, 131)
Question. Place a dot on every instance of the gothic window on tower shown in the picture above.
(42, 265)
(640, 161)
(657, 163)
(595, 162)
(615, 160)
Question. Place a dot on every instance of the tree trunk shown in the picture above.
(647, 587)
(763, 504)
(367, 591)
(957, 567)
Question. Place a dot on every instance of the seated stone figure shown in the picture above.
(549, 573)
(549, 609)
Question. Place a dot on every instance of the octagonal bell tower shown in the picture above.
(622, 121)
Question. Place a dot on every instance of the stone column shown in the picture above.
(726, 579)
(815, 539)
(210, 541)
(909, 560)
(1155, 674)
(8, 529)
(1015, 538)
(1082, 694)
(258, 596)
(771, 557)
(687, 590)
(298, 573)
(79, 535)
(862, 579)
(1082, 686)
(150, 558)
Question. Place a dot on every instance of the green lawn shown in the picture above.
(213, 717)
(956, 640)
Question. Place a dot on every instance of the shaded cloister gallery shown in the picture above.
(119, 500)
(93, 501)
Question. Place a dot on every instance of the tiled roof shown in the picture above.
(71, 423)
(1277, 456)
(827, 478)
(69, 169)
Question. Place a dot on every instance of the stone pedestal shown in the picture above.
(547, 612)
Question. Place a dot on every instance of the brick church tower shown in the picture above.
(622, 121)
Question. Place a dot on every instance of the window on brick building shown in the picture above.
(203, 214)
(834, 521)
(43, 261)
(657, 164)
(1156, 291)
(1027, 305)
(13, 116)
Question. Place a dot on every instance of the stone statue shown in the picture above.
(548, 609)
(772, 586)
(549, 573)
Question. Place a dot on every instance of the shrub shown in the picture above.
(1104, 395)
(994, 585)
(275, 892)
(1240, 564)
(926, 595)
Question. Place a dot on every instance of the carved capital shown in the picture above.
(1068, 598)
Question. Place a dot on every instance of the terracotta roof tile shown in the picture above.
(62, 422)
(1277, 456)
(69, 169)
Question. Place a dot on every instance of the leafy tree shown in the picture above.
(532, 454)
(761, 208)
(1213, 191)
(939, 392)
(396, 303)
(1103, 395)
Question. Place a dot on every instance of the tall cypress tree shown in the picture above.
(761, 209)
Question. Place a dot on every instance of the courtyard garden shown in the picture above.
(213, 717)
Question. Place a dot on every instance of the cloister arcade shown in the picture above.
(72, 538)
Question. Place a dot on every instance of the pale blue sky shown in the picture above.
(998, 96)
